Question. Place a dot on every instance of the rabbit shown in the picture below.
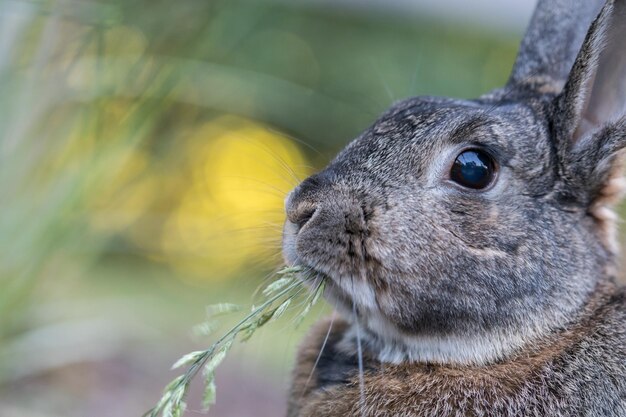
(469, 246)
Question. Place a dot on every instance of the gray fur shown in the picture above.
(457, 277)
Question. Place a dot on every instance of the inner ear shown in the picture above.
(607, 100)
(595, 93)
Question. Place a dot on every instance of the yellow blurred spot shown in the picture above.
(211, 208)
(232, 213)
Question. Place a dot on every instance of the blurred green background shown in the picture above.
(146, 147)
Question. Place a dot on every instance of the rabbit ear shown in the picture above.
(552, 40)
(589, 120)
(595, 93)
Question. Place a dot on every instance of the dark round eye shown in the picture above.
(474, 169)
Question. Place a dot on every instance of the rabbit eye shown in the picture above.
(474, 169)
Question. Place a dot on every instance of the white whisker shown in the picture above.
(383, 81)
(319, 355)
(360, 355)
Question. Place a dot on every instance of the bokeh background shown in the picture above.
(146, 147)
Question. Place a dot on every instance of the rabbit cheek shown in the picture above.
(486, 228)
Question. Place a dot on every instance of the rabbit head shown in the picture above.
(458, 230)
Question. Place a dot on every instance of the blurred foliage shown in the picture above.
(196, 106)
(167, 134)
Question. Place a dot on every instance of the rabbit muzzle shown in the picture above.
(327, 231)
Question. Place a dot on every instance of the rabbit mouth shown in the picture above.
(344, 293)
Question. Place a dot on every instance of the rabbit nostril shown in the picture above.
(305, 216)
(301, 214)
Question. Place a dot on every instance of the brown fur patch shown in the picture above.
(546, 379)
(602, 207)
(304, 375)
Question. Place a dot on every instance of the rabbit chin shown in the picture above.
(383, 339)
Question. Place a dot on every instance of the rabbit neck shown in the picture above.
(384, 341)
(389, 345)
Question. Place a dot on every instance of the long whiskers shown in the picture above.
(319, 356)
(383, 81)
(360, 357)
